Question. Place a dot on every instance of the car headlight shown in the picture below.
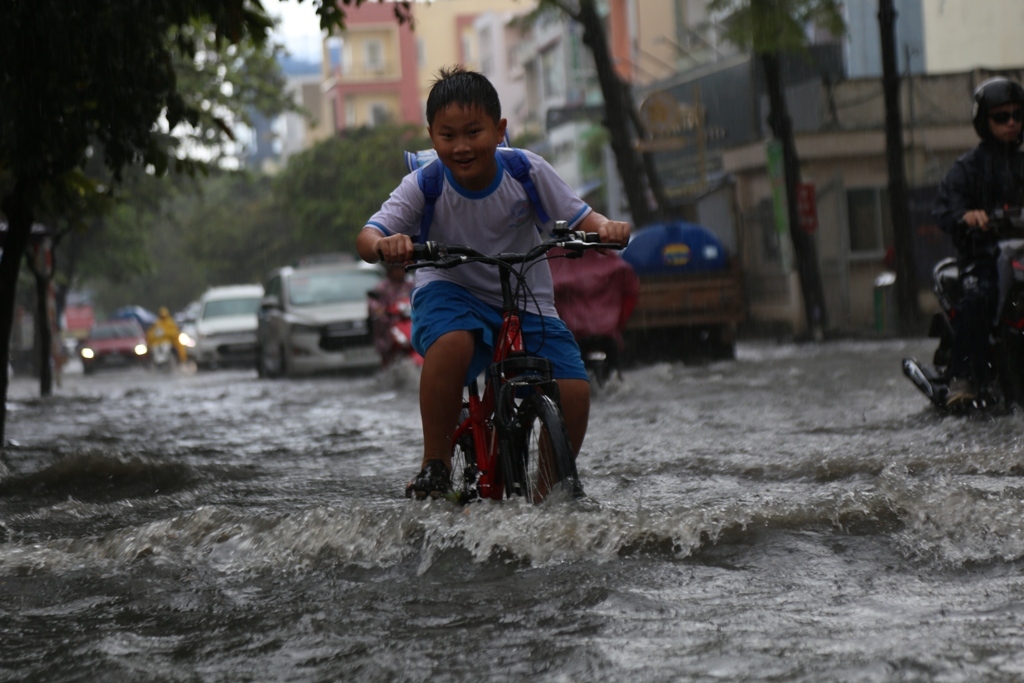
(87, 353)
(141, 349)
(186, 340)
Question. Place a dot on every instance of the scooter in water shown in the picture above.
(1006, 342)
(600, 358)
(162, 357)
(162, 354)
(393, 333)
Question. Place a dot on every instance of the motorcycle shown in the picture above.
(162, 355)
(392, 332)
(1005, 353)
(600, 358)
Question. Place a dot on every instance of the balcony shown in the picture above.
(367, 72)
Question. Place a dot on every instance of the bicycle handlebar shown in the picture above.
(441, 255)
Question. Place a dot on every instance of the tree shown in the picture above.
(771, 28)
(139, 245)
(620, 114)
(98, 78)
(909, 312)
(226, 81)
(332, 188)
(236, 226)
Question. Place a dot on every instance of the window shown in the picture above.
(765, 216)
(335, 123)
(273, 286)
(223, 308)
(870, 220)
(379, 114)
(374, 55)
(551, 72)
(350, 111)
(486, 52)
(335, 48)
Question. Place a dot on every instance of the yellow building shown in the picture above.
(446, 34)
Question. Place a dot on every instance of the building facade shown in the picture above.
(960, 35)
(369, 70)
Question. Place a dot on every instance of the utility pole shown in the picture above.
(906, 285)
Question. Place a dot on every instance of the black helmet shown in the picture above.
(993, 93)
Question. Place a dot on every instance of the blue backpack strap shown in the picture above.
(519, 166)
(430, 179)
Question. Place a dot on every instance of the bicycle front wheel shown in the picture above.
(542, 460)
(465, 471)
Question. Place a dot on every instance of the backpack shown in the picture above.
(430, 178)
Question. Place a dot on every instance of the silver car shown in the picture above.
(315, 319)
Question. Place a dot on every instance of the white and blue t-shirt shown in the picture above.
(497, 219)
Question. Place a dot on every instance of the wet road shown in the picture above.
(798, 515)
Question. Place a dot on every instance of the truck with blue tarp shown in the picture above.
(691, 294)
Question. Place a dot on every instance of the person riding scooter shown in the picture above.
(393, 291)
(595, 295)
(165, 331)
(991, 176)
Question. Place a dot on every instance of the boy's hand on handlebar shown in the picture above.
(395, 249)
(976, 219)
(614, 232)
(608, 230)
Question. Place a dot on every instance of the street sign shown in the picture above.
(806, 207)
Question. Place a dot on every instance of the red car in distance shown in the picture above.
(114, 343)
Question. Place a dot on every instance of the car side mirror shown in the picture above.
(270, 301)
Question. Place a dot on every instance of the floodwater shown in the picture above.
(801, 514)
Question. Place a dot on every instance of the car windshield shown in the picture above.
(330, 287)
(221, 308)
(117, 331)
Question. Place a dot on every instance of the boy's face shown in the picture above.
(465, 139)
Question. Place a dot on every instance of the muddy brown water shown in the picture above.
(800, 514)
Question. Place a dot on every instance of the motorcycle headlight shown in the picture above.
(186, 340)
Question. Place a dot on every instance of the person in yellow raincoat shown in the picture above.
(166, 330)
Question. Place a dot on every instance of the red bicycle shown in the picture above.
(511, 439)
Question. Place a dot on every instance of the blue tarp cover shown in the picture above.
(675, 247)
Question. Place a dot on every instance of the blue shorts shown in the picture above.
(442, 307)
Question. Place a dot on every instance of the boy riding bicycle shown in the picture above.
(456, 313)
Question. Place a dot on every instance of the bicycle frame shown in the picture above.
(512, 369)
(479, 423)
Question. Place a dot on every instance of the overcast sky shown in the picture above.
(299, 29)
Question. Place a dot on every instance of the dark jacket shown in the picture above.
(988, 177)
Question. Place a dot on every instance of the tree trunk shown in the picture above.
(650, 167)
(44, 334)
(617, 105)
(903, 238)
(19, 216)
(804, 248)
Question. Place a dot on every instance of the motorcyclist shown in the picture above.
(394, 287)
(595, 295)
(988, 177)
(166, 330)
